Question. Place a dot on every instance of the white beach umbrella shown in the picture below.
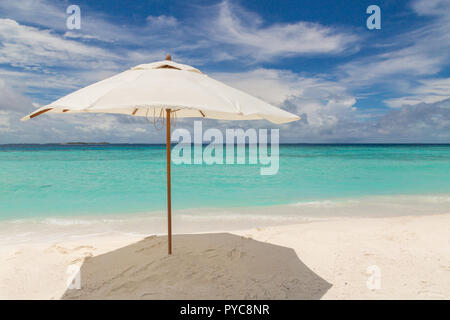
(162, 89)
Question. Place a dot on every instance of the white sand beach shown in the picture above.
(324, 259)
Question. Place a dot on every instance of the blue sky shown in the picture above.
(313, 58)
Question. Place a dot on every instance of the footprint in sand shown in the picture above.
(234, 253)
(81, 259)
(62, 250)
(84, 247)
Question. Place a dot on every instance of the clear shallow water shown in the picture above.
(61, 180)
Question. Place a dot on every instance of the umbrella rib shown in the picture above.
(40, 112)
(166, 66)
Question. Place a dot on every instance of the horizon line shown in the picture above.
(281, 143)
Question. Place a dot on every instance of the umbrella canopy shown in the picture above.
(149, 89)
(161, 89)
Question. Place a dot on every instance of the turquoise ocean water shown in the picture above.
(76, 180)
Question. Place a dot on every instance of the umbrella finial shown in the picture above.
(168, 57)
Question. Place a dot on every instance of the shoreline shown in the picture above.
(337, 250)
(201, 220)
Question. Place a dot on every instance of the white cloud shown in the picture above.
(162, 21)
(11, 99)
(225, 31)
(35, 57)
(74, 35)
(4, 121)
(379, 68)
(321, 102)
(38, 12)
(56, 128)
(35, 54)
(30, 80)
(329, 114)
(140, 130)
(327, 109)
(420, 52)
(432, 7)
(247, 33)
(423, 122)
(52, 15)
(429, 91)
(24, 46)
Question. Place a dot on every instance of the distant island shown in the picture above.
(82, 143)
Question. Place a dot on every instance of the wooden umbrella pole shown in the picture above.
(169, 200)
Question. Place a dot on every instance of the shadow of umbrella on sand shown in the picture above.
(205, 266)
